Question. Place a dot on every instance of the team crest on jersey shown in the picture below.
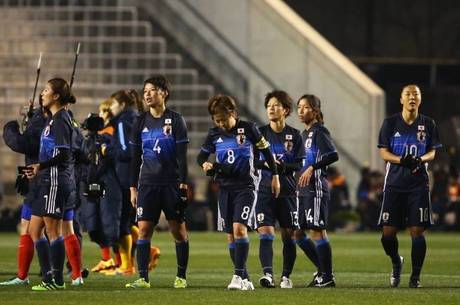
(288, 145)
(421, 134)
(241, 137)
(310, 134)
(167, 128)
(46, 132)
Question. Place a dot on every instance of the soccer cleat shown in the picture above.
(120, 271)
(77, 282)
(139, 283)
(247, 285)
(154, 256)
(15, 281)
(414, 283)
(236, 283)
(286, 283)
(395, 277)
(103, 265)
(267, 281)
(48, 286)
(315, 280)
(180, 282)
(325, 282)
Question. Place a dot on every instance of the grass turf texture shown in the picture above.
(361, 268)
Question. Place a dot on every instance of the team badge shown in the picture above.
(310, 134)
(241, 137)
(288, 145)
(167, 128)
(421, 134)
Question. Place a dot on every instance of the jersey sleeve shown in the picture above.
(135, 137)
(208, 145)
(62, 133)
(181, 130)
(324, 143)
(384, 135)
(433, 141)
(257, 138)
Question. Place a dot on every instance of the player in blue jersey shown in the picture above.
(287, 148)
(54, 172)
(159, 177)
(234, 142)
(313, 192)
(408, 141)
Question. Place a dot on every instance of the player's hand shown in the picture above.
(207, 166)
(304, 179)
(32, 170)
(416, 164)
(276, 186)
(133, 196)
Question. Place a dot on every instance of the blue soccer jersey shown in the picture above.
(235, 149)
(56, 135)
(158, 138)
(400, 139)
(317, 144)
(286, 146)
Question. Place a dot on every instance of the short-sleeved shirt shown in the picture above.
(235, 149)
(158, 138)
(400, 139)
(56, 135)
(317, 143)
(286, 146)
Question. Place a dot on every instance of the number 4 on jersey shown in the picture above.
(156, 147)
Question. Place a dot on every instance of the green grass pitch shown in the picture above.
(360, 265)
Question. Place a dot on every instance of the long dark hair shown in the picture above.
(62, 88)
(315, 103)
(130, 98)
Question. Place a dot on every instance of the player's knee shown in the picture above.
(240, 230)
(299, 234)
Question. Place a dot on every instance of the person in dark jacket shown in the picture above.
(26, 143)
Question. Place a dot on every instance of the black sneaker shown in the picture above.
(324, 282)
(84, 273)
(414, 283)
(395, 277)
(267, 281)
(315, 280)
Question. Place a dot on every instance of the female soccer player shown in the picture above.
(158, 177)
(313, 193)
(234, 141)
(54, 175)
(408, 141)
(287, 148)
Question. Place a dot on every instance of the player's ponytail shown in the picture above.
(60, 87)
(315, 103)
(128, 98)
(223, 105)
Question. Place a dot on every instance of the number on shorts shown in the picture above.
(308, 216)
(295, 218)
(245, 214)
(156, 147)
(423, 214)
(230, 156)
